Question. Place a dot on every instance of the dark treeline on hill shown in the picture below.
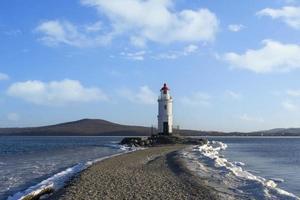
(97, 127)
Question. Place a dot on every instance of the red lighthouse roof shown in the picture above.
(165, 88)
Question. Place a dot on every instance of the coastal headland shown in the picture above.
(152, 173)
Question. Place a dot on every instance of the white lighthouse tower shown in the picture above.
(165, 111)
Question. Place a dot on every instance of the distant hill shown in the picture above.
(98, 127)
(92, 127)
(279, 132)
(84, 127)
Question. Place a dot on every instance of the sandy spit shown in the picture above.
(153, 173)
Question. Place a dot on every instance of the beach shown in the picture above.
(153, 173)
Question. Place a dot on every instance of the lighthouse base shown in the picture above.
(165, 133)
(165, 129)
(156, 140)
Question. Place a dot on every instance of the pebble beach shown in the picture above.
(152, 173)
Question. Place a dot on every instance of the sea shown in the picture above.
(266, 168)
(32, 163)
(253, 167)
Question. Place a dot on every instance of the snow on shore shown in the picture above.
(58, 180)
(208, 163)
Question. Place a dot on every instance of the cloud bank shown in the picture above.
(55, 92)
(157, 21)
(273, 56)
(138, 20)
(290, 15)
(56, 32)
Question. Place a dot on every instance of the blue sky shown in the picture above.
(231, 65)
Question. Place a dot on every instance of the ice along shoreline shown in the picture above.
(208, 163)
(60, 179)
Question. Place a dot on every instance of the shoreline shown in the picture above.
(54, 183)
(152, 173)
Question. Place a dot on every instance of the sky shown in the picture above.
(231, 65)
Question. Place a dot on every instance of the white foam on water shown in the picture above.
(240, 164)
(58, 180)
(207, 161)
(277, 180)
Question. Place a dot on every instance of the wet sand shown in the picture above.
(153, 173)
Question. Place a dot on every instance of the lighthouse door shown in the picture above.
(166, 128)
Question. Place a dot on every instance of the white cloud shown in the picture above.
(168, 56)
(290, 106)
(3, 77)
(293, 93)
(143, 96)
(233, 95)
(235, 27)
(13, 116)
(55, 92)
(139, 55)
(197, 99)
(95, 27)
(157, 21)
(290, 15)
(273, 56)
(247, 118)
(138, 41)
(188, 50)
(55, 32)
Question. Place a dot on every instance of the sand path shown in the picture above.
(154, 173)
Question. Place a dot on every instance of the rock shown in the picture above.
(161, 140)
(40, 194)
(131, 141)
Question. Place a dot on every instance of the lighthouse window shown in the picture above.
(165, 107)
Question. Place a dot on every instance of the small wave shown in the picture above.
(58, 180)
(240, 164)
(207, 161)
(114, 146)
(277, 180)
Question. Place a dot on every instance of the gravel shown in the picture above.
(153, 173)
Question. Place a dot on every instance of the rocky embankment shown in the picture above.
(156, 140)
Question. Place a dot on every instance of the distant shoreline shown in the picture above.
(192, 136)
(98, 127)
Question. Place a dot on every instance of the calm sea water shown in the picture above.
(26, 161)
(271, 158)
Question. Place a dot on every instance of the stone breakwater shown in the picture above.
(156, 140)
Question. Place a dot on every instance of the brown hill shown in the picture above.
(91, 127)
(84, 127)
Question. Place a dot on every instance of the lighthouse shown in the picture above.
(165, 111)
